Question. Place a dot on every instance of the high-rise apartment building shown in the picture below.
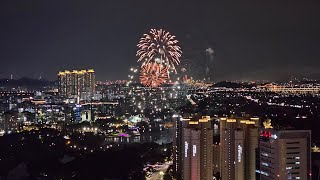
(216, 160)
(77, 84)
(238, 144)
(179, 123)
(193, 148)
(285, 154)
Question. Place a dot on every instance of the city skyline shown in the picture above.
(251, 40)
(159, 90)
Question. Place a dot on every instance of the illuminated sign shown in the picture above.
(186, 146)
(265, 134)
(239, 153)
(194, 150)
(268, 134)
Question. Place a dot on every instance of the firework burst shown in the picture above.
(161, 47)
(153, 74)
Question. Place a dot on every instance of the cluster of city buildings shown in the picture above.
(204, 147)
(24, 108)
(292, 89)
(77, 84)
(76, 97)
(244, 150)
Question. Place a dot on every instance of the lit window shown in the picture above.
(265, 164)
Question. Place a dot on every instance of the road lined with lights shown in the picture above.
(161, 169)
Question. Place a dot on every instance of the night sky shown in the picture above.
(265, 39)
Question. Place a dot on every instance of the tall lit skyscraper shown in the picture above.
(238, 143)
(179, 124)
(77, 84)
(285, 154)
(193, 149)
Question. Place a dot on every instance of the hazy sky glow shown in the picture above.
(251, 39)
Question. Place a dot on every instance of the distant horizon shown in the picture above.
(302, 78)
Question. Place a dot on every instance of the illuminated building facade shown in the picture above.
(77, 84)
(292, 89)
(179, 124)
(9, 122)
(92, 111)
(49, 114)
(238, 144)
(285, 154)
(195, 149)
(191, 156)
